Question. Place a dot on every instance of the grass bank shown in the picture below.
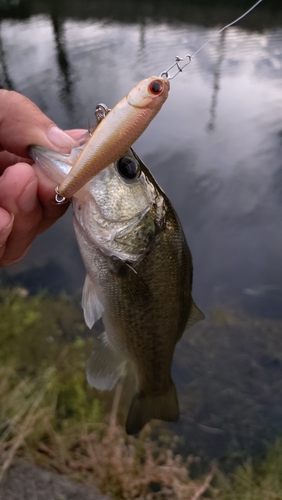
(49, 415)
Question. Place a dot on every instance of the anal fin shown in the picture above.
(105, 366)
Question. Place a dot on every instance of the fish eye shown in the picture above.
(127, 167)
(155, 87)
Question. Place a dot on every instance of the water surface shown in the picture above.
(215, 147)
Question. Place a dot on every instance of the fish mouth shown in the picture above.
(56, 165)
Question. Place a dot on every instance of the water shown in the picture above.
(215, 147)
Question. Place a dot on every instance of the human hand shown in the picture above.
(26, 193)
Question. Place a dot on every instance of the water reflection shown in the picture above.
(62, 57)
(7, 82)
(224, 185)
(216, 83)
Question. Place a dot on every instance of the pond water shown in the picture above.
(215, 147)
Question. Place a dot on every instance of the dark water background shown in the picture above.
(215, 147)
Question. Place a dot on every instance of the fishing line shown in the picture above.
(178, 60)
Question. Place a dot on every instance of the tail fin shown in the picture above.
(146, 407)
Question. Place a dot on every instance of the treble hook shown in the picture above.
(60, 200)
(100, 112)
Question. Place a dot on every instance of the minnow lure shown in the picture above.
(118, 130)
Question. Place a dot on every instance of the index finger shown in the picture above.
(22, 124)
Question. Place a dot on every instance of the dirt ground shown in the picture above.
(25, 481)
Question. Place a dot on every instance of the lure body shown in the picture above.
(120, 128)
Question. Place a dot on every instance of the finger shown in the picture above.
(18, 195)
(76, 133)
(22, 124)
(7, 159)
(6, 225)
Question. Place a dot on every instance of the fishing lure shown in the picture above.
(118, 130)
(114, 135)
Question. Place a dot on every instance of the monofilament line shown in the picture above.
(225, 27)
(178, 60)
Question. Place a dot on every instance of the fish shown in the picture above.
(138, 280)
(118, 130)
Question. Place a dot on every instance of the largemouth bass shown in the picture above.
(120, 128)
(139, 279)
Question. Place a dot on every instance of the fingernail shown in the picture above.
(28, 199)
(59, 138)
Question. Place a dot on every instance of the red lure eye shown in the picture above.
(155, 87)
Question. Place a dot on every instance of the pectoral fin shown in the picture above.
(194, 315)
(105, 366)
(92, 307)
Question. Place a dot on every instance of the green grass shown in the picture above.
(254, 480)
(50, 415)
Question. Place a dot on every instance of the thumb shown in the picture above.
(22, 124)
